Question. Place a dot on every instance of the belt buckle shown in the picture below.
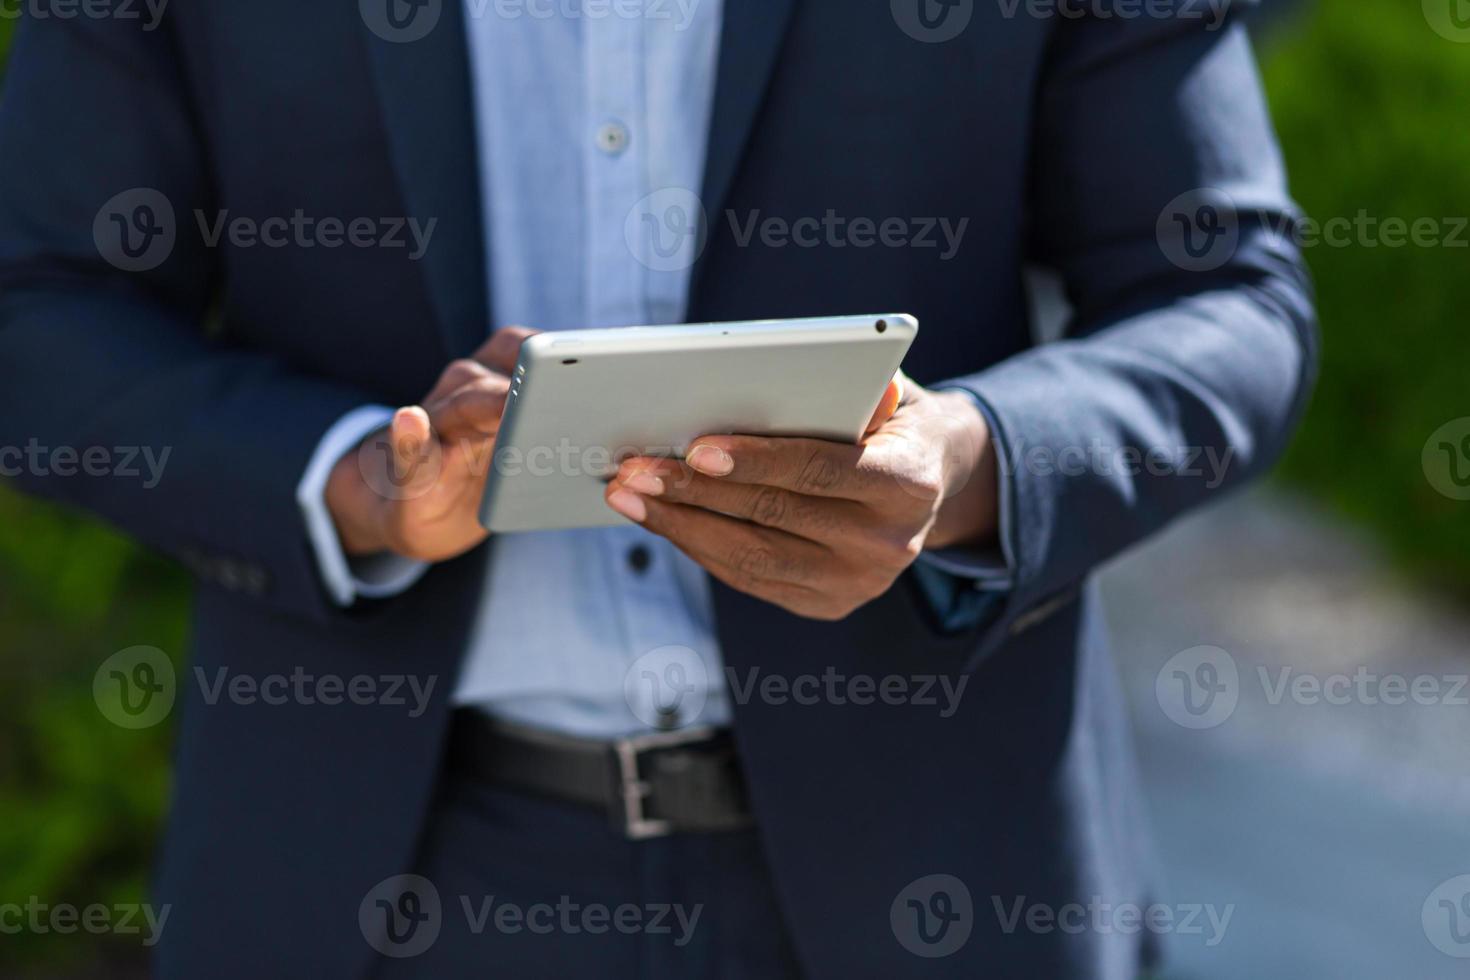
(633, 789)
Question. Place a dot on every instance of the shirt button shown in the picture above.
(612, 138)
(639, 558)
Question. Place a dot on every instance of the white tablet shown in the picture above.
(582, 401)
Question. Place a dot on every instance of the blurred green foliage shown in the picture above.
(1370, 106)
(81, 800)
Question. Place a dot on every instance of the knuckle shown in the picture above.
(818, 473)
(492, 384)
(768, 506)
(463, 369)
(678, 479)
(753, 562)
(921, 483)
(904, 553)
(455, 376)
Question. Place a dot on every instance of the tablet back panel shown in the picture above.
(581, 401)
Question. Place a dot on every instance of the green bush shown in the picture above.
(81, 800)
(1370, 105)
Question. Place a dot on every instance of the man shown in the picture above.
(273, 238)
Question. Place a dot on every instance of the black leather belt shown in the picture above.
(687, 781)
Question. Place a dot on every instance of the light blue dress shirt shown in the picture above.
(587, 119)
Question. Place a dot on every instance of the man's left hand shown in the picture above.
(820, 528)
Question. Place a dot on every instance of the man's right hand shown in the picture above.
(414, 488)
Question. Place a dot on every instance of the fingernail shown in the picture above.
(629, 504)
(711, 460)
(645, 483)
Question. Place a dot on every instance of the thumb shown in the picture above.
(887, 405)
(415, 451)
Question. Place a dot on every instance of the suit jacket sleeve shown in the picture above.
(93, 354)
(1158, 193)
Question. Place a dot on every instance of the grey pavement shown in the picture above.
(1321, 794)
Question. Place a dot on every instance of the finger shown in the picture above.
(794, 598)
(503, 349)
(887, 405)
(824, 519)
(458, 374)
(746, 552)
(414, 446)
(813, 467)
(473, 410)
(718, 545)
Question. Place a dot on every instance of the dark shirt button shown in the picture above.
(639, 559)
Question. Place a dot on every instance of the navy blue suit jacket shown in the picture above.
(1062, 140)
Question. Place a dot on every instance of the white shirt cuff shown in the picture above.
(371, 576)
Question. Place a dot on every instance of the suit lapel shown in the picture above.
(424, 87)
(749, 40)
(425, 92)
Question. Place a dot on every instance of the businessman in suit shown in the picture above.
(274, 238)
